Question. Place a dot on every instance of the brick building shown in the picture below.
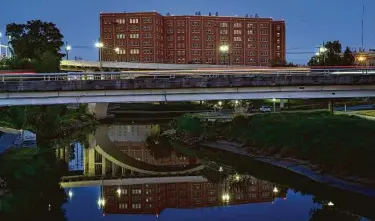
(154, 198)
(152, 38)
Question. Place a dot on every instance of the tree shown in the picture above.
(348, 58)
(331, 55)
(35, 44)
(282, 63)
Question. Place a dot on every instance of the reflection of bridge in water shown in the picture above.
(121, 150)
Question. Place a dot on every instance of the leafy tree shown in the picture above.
(332, 56)
(36, 45)
(348, 58)
(282, 63)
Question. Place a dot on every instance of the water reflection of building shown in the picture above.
(154, 198)
(119, 150)
(131, 139)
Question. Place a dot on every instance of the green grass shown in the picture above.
(341, 144)
(370, 113)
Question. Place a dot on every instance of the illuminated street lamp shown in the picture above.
(330, 203)
(117, 50)
(274, 104)
(225, 50)
(67, 49)
(99, 45)
(101, 202)
(275, 190)
(119, 192)
(70, 194)
(225, 197)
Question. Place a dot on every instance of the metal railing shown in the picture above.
(82, 76)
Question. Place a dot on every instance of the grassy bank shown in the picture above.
(339, 144)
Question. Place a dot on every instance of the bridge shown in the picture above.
(99, 89)
(82, 65)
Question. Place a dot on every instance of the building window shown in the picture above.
(123, 206)
(237, 25)
(237, 39)
(170, 31)
(147, 59)
(134, 35)
(180, 23)
(120, 36)
(251, 46)
(264, 60)
(134, 43)
(136, 191)
(209, 31)
(223, 31)
(136, 206)
(170, 38)
(264, 25)
(181, 30)
(237, 32)
(264, 32)
(147, 43)
(196, 45)
(107, 21)
(264, 39)
(134, 51)
(210, 38)
(250, 25)
(147, 20)
(278, 41)
(181, 38)
(147, 35)
(223, 38)
(147, 28)
(278, 47)
(133, 28)
(196, 53)
(251, 32)
(264, 46)
(122, 51)
(133, 21)
(223, 24)
(196, 38)
(251, 39)
(251, 53)
(278, 28)
(237, 45)
(147, 51)
(251, 60)
(278, 34)
(196, 31)
(194, 23)
(120, 21)
(278, 54)
(264, 53)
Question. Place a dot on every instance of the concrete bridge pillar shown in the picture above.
(98, 109)
(281, 103)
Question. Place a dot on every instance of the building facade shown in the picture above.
(154, 198)
(195, 39)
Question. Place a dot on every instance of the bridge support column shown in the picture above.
(281, 103)
(330, 106)
(98, 109)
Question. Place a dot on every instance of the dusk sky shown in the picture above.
(308, 22)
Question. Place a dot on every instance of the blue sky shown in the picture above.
(309, 22)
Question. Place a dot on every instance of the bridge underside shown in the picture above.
(193, 94)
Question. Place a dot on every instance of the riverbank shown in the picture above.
(333, 144)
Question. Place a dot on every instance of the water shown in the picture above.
(128, 172)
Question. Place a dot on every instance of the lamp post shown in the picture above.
(99, 45)
(225, 50)
(274, 105)
(67, 49)
(117, 51)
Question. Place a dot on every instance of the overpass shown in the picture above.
(81, 65)
(104, 88)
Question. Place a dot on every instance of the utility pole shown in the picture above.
(363, 15)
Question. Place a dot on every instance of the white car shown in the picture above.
(265, 109)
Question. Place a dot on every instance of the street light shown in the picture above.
(67, 49)
(274, 104)
(225, 49)
(99, 45)
(275, 190)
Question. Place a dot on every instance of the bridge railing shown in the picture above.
(77, 76)
(59, 82)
